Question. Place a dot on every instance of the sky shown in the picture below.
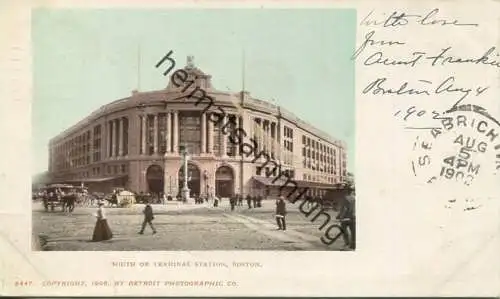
(298, 58)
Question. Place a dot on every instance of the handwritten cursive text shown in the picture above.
(402, 19)
(370, 41)
(425, 87)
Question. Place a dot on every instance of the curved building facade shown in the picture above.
(135, 143)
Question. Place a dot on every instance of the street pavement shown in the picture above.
(180, 227)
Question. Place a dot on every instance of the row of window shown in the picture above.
(74, 152)
(96, 171)
(316, 166)
(267, 171)
(189, 132)
(117, 169)
(318, 156)
(309, 142)
(287, 133)
(81, 150)
(321, 178)
(110, 169)
(288, 145)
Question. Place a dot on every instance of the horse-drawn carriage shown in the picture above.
(61, 195)
(121, 198)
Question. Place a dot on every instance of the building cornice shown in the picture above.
(141, 100)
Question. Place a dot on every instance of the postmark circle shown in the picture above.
(463, 145)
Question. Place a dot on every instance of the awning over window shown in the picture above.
(281, 181)
(91, 180)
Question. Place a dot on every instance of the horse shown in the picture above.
(68, 201)
(112, 201)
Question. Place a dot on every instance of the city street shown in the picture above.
(180, 227)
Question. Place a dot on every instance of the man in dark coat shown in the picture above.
(249, 201)
(232, 201)
(281, 213)
(347, 216)
(148, 218)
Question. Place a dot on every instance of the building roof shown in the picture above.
(204, 80)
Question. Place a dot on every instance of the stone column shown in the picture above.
(279, 147)
(143, 141)
(237, 127)
(113, 137)
(91, 150)
(155, 133)
(257, 133)
(120, 137)
(176, 132)
(224, 136)
(169, 132)
(203, 133)
(264, 135)
(116, 135)
(104, 135)
(268, 136)
(251, 128)
(108, 138)
(273, 139)
(210, 136)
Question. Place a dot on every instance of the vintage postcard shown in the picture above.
(250, 149)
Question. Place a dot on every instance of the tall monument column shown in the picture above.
(237, 126)
(143, 141)
(185, 188)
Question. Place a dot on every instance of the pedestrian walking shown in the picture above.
(232, 201)
(259, 201)
(347, 217)
(102, 231)
(281, 213)
(148, 218)
(309, 201)
(249, 201)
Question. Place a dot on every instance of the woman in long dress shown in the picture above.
(101, 231)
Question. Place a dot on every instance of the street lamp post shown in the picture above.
(170, 185)
(205, 178)
(185, 189)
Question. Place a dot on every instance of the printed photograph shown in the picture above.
(193, 129)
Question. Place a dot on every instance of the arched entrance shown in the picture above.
(194, 179)
(154, 177)
(224, 181)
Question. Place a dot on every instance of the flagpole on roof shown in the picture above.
(138, 66)
(243, 71)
